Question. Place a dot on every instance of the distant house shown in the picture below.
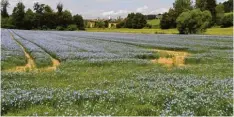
(90, 24)
(111, 23)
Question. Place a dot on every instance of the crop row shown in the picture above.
(41, 58)
(81, 48)
(11, 53)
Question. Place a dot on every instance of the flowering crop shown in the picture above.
(114, 76)
(11, 53)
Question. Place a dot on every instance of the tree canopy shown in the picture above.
(41, 17)
(4, 5)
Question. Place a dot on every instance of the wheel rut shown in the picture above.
(30, 65)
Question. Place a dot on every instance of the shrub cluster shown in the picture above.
(192, 22)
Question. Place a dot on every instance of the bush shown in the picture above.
(59, 28)
(120, 25)
(148, 26)
(227, 20)
(100, 24)
(193, 22)
(7, 23)
(44, 27)
(72, 27)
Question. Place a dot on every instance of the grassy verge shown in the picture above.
(211, 31)
(155, 23)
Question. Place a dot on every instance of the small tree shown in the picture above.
(193, 22)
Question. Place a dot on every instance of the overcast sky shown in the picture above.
(90, 9)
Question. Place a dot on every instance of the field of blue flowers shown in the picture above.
(112, 74)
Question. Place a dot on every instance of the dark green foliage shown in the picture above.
(181, 6)
(148, 26)
(121, 24)
(148, 56)
(18, 15)
(139, 21)
(100, 24)
(7, 23)
(43, 18)
(4, 5)
(59, 28)
(219, 13)
(227, 20)
(72, 27)
(207, 5)
(64, 18)
(168, 20)
(78, 20)
(106, 23)
(38, 7)
(60, 7)
(29, 19)
(228, 6)
(129, 20)
(135, 21)
(193, 22)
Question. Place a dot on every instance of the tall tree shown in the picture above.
(219, 13)
(18, 15)
(4, 5)
(49, 17)
(78, 20)
(60, 7)
(65, 18)
(39, 8)
(169, 19)
(29, 19)
(129, 20)
(182, 5)
(207, 5)
(48, 9)
(139, 21)
(228, 6)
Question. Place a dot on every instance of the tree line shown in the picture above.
(189, 19)
(41, 17)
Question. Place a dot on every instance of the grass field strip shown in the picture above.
(31, 66)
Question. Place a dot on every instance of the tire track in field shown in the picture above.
(31, 66)
(30, 62)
